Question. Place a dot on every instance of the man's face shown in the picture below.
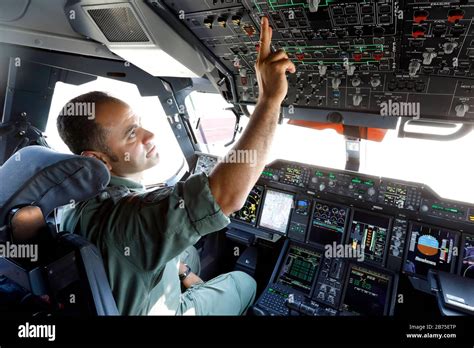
(132, 149)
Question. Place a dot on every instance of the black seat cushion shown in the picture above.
(42, 177)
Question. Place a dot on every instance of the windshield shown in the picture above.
(442, 165)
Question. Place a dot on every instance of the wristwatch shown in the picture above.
(183, 276)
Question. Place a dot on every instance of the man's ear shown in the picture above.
(99, 155)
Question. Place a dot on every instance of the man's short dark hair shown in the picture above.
(79, 130)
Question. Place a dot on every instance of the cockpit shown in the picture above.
(364, 206)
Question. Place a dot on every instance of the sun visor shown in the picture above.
(133, 31)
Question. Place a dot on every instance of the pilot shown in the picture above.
(145, 237)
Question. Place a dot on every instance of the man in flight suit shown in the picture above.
(144, 236)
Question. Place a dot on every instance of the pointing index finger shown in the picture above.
(265, 39)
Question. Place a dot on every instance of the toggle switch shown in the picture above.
(313, 5)
(461, 110)
(322, 69)
(413, 68)
(335, 82)
(357, 99)
(350, 70)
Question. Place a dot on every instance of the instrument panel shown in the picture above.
(349, 236)
(409, 58)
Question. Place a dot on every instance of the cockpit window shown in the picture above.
(212, 122)
(443, 165)
(324, 148)
(148, 109)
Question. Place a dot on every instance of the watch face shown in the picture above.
(182, 276)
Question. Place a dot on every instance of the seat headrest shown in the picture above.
(42, 177)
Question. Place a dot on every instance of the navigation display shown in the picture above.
(276, 211)
(249, 211)
(328, 223)
(367, 292)
(369, 232)
(299, 269)
(430, 248)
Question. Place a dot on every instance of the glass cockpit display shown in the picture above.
(430, 248)
(276, 211)
(467, 263)
(369, 232)
(249, 211)
(328, 223)
(367, 292)
(299, 268)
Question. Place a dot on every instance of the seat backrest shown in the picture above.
(38, 176)
(63, 272)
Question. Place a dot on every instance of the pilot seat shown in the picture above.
(43, 271)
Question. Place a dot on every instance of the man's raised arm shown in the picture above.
(231, 183)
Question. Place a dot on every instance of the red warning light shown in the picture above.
(357, 57)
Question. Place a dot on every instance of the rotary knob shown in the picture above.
(335, 82)
(356, 82)
(449, 47)
(375, 82)
(275, 177)
(371, 191)
(322, 187)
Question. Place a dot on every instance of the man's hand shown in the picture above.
(271, 68)
(191, 279)
(231, 183)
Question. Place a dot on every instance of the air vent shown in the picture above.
(118, 24)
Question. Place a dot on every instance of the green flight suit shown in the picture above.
(142, 235)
